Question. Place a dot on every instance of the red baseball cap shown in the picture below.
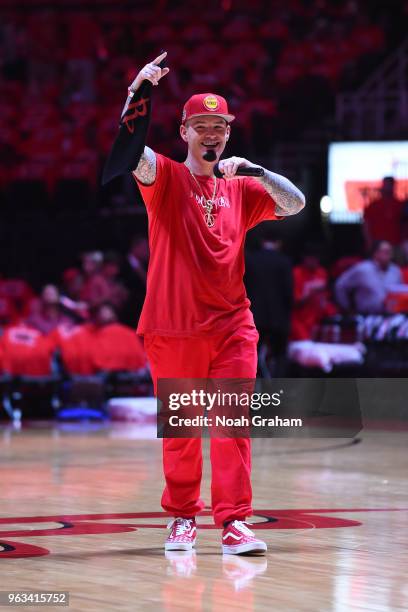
(206, 104)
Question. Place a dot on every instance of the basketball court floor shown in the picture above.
(81, 513)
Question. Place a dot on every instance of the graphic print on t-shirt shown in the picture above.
(219, 201)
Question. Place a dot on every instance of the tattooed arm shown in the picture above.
(146, 168)
(289, 199)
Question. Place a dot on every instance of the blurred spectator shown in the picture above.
(17, 295)
(269, 286)
(46, 313)
(115, 347)
(134, 274)
(312, 302)
(83, 42)
(296, 59)
(26, 351)
(402, 260)
(102, 345)
(74, 345)
(363, 288)
(72, 282)
(101, 280)
(111, 269)
(8, 314)
(95, 288)
(342, 264)
(383, 217)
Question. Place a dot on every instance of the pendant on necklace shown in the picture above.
(209, 217)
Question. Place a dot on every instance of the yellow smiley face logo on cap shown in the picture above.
(210, 103)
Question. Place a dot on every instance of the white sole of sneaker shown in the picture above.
(179, 545)
(239, 549)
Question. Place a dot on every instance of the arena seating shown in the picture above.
(59, 110)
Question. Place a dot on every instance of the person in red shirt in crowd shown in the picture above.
(196, 320)
(29, 345)
(311, 296)
(383, 217)
(95, 288)
(111, 269)
(26, 351)
(8, 314)
(102, 345)
(99, 281)
(75, 348)
(72, 283)
(16, 295)
(115, 347)
(46, 312)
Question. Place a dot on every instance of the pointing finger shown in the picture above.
(159, 58)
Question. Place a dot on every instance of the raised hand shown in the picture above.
(151, 72)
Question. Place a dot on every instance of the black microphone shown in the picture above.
(255, 171)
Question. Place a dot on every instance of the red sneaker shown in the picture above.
(238, 539)
(182, 534)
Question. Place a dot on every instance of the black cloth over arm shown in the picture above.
(129, 144)
(130, 141)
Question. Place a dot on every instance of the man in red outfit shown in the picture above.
(383, 217)
(196, 320)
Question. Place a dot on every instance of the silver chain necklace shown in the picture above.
(209, 203)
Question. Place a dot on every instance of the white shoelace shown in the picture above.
(182, 525)
(240, 525)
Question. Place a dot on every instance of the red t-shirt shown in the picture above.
(26, 351)
(87, 349)
(195, 277)
(117, 347)
(75, 345)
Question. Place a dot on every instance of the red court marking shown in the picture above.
(19, 550)
(79, 524)
(70, 528)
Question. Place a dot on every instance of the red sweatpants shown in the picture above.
(231, 355)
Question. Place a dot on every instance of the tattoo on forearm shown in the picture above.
(289, 199)
(146, 168)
